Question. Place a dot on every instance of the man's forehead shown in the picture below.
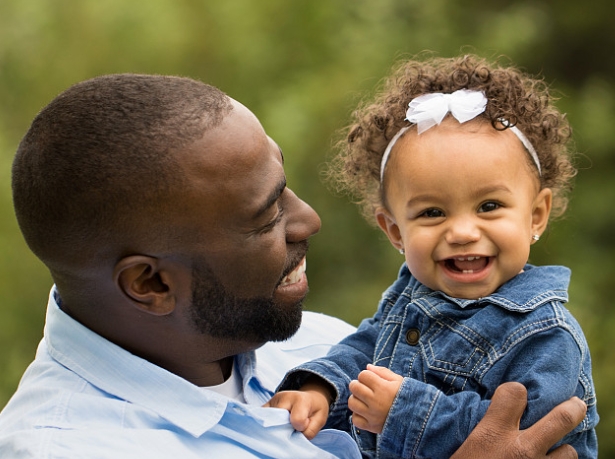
(276, 147)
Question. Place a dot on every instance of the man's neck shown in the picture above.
(213, 373)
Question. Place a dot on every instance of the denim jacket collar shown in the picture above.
(523, 293)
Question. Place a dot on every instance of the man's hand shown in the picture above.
(498, 436)
(373, 393)
(308, 407)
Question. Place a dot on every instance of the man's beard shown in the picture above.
(220, 314)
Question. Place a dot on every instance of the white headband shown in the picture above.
(430, 109)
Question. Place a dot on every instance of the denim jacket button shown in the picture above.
(412, 336)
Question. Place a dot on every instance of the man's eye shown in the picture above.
(269, 226)
(432, 213)
(489, 207)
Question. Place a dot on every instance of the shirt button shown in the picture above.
(412, 336)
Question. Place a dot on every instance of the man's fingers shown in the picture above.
(563, 452)
(507, 406)
(497, 435)
(557, 423)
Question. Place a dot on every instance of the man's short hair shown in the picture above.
(102, 151)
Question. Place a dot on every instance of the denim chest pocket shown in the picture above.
(454, 358)
(387, 341)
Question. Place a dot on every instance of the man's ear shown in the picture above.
(541, 211)
(149, 287)
(387, 223)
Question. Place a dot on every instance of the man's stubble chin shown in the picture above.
(217, 313)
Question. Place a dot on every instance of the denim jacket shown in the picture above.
(454, 353)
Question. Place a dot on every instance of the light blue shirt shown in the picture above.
(84, 397)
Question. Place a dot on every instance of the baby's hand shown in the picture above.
(372, 396)
(309, 408)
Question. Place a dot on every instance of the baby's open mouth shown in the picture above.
(467, 265)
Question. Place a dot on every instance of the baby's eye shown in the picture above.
(432, 213)
(489, 207)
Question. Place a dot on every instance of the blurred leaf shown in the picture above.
(302, 66)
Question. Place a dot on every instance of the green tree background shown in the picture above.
(301, 66)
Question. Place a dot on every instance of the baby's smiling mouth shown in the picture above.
(467, 265)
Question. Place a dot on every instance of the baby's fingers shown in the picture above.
(284, 400)
(360, 391)
(314, 425)
(300, 418)
(384, 373)
(363, 418)
(295, 403)
(359, 421)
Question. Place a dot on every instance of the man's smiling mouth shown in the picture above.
(295, 275)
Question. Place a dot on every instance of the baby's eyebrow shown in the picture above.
(421, 199)
(492, 189)
(477, 192)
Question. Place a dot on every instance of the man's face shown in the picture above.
(245, 233)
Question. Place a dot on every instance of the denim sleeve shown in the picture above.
(553, 365)
(424, 422)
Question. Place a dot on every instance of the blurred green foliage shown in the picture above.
(301, 66)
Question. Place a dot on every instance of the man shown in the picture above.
(161, 209)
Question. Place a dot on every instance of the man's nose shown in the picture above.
(303, 221)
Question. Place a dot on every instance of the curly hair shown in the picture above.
(512, 95)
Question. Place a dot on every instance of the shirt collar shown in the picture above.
(116, 371)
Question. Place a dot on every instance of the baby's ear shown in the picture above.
(387, 223)
(541, 211)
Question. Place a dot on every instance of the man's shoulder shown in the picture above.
(318, 329)
(318, 332)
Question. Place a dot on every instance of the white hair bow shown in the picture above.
(464, 105)
(430, 109)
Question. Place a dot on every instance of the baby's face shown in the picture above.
(463, 202)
